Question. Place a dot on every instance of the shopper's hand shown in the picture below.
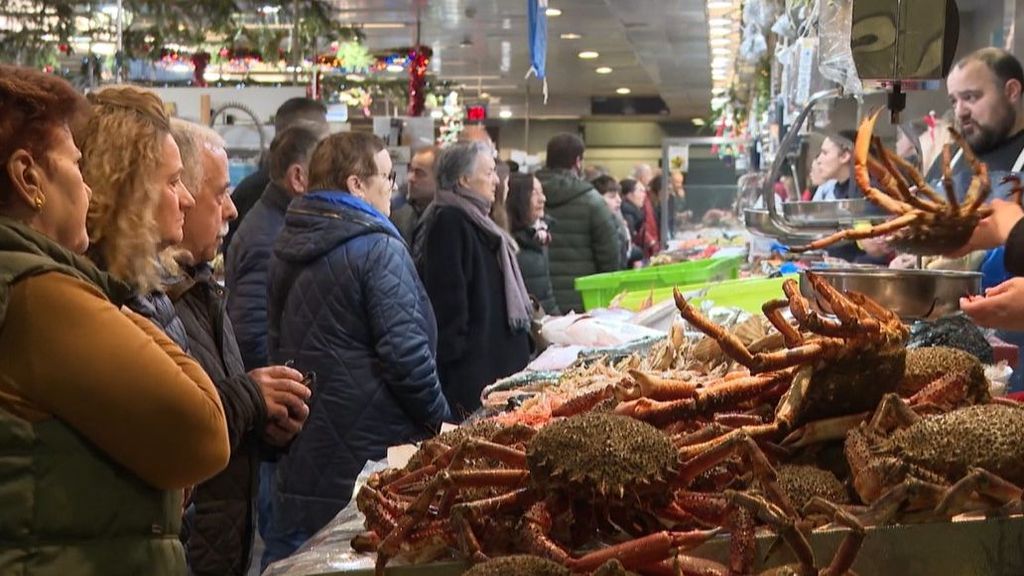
(283, 392)
(875, 247)
(1002, 306)
(280, 433)
(993, 231)
(903, 262)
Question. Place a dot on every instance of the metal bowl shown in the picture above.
(760, 223)
(913, 294)
(827, 212)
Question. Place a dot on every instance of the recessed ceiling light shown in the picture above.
(394, 68)
(570, 36)
(623, 90)
(485, 94)
(720, 22)
(436, 114)
(588, 55)
(721, 52)
(505, 113)
(719, 31)
(552, 12)
(603, 70)
(720, 41)
(699, 122)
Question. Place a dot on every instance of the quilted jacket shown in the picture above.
(246, 267)
(346, 303)
(533, 263)
(584, 235)
(219, 523)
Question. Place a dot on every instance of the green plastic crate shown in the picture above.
(746, 294)
(598, 290)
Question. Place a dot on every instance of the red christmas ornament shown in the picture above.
(419, 59)
(200, 60)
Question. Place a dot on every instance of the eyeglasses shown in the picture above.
(391, 177)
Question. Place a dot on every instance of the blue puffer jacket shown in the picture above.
(346, 302)
(245, 273)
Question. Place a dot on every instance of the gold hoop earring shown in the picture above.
(39, 201)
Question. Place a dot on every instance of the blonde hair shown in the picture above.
(192, 138)
(122, 147)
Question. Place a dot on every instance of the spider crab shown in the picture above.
(926, 224)
(939, 465)
(830, 367)
(576, 478)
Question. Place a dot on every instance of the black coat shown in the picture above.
(219, 524)
(1013, 258)
(346, 303)
(245, 196)
(533, 263)
(460, 270)
(246, 268)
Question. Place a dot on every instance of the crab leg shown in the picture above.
(657, 388)
(1017, 191)
(642, 551)
(848, 310)
(947, 178)
(842, 562)
(984, 483)
(773, 311)
(861, 173)
(882, 229)
(707, 402)
(893, 181)
(933, 200)
(780, 520)
(981, 187)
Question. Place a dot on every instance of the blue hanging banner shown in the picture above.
(537, 21)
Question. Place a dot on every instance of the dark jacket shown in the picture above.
(1013, 258)
(634, 217)
(533, 263)
(406, 218)
(245, 196)
(584, 236)
(246, 267)
(460, 270)
(219, 523)
(345, 303)
(160, 310)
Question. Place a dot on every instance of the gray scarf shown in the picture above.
(517, 301)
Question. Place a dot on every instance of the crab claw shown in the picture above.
(862, 150)
(1016, 191)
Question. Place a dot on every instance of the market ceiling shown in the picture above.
(653, 47)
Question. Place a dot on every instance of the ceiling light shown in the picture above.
(382, 25)
(394, 68)
(623, 90)
(719, 31)
(485, 95)
(588, 55)
(436, 114)
(570, 36)
(720, 22)
(603, 70)
(720, 41)
(721, 52)
(699, 122)
(505, 114)
(268, 9)
(720, 5)
(718, 61)
(552, 12)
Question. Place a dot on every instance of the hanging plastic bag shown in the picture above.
(836, 55)
(754, 45)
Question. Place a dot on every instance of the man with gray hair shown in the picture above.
(469, 267)
(265, 406)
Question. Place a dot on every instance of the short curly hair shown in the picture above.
(122, 146)
(33, 106)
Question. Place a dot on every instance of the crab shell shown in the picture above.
(928, 364)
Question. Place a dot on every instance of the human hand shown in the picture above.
(1002, 306)
(903, 262)
(993, 231)
(875, 247)
(283, 392)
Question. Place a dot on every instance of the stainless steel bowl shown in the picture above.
(913, 294)
(827, 212)
(760, 223)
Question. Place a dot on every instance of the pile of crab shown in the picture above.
(823, 419)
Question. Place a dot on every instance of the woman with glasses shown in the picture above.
(346, 304)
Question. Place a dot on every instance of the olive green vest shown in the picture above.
(65, 507)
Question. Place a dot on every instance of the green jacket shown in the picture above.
(584, 236)
(65, 507)
(533, 263)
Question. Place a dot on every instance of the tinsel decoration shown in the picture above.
(419, 61)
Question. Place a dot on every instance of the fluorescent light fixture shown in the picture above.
(720, 22)
(603, 70)
(623, 90)
(383, 25)
(721, 52)
(720, 5)
(698, 122)
(436, 114)
(720, 42)
(552, 12)
(394, 68)
(485, 95)
(588, 55)
(721, 62)
(570, 36)
(505, 114)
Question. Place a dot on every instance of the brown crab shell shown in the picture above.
(946, 234)
(928, 364)
(852, 384)
(603, 458)
(518, 565)
(801, 482)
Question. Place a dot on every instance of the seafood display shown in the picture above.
(780, 424)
